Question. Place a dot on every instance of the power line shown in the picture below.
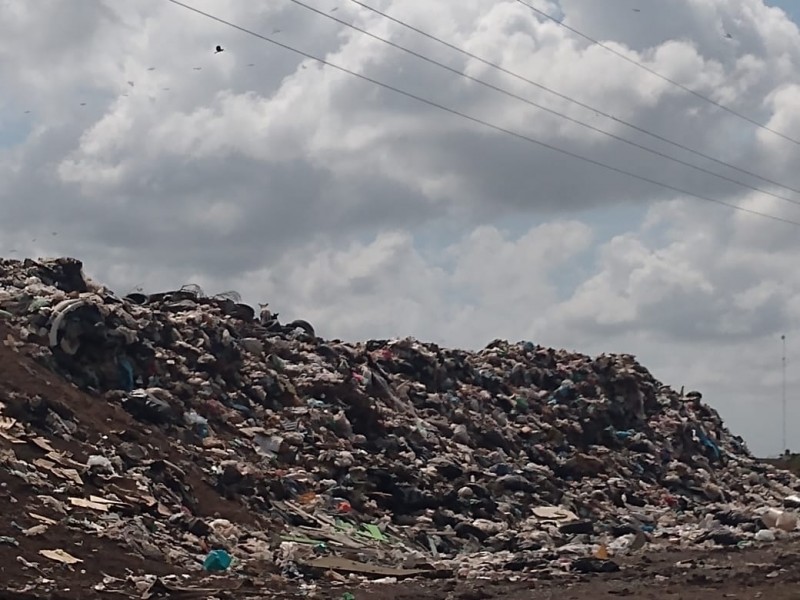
(541, 107)
(660, 76)
(482, 122)
(569, 98)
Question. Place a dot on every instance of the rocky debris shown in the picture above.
(213, 435)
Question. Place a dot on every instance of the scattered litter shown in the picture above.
(553, 513)
(45, 520)
(344, 565)
(83, 503)
(35, 530)
(60, 556)
(184, 427)
(217, 560)
(765, 535)
(594, 565)
(100, 463)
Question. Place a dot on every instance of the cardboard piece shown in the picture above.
(43, 444)
(45, 520)
(60, 556)
(96, 503)
(65, 474)
(554, 513)
(344, 565)
(83, 503)
(10, 438)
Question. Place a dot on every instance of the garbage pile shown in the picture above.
(384, 459)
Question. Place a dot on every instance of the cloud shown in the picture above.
(373, 215)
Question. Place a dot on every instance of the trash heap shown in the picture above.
(390, 458)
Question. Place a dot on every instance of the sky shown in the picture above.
(127, 142)
(791, 8)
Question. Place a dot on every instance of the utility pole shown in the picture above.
(783, 393)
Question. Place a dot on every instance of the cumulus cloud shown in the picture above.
(125, 141)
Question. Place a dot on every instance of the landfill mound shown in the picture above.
(147, 437)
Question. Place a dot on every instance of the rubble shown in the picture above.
(203, 437)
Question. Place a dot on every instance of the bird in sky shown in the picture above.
(219, 49)
(728, 35)
(151, 69)
(636, 9)
(198, 68)
(334, 9)
(130, 83)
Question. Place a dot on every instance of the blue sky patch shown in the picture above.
(14, 131)
(791, 7)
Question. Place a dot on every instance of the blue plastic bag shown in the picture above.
(217, 560)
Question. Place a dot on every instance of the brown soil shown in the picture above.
(23, 379)
(768, 572)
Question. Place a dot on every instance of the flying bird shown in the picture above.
(251, 64)
(276, 31)
(83, 103)
(27, 112)
(151, 69)
(334, 9)
(198, 68)
(130, 83)
(728, 35)
(636, 9)
(219, 49)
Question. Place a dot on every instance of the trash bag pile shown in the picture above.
(389, 454)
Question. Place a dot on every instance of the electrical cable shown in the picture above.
(570, 99)
(541, 107)
(482, 122)
(660, 76)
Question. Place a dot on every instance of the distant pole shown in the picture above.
(783, 393)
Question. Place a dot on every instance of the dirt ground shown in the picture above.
(769, 572)
(766, 572)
